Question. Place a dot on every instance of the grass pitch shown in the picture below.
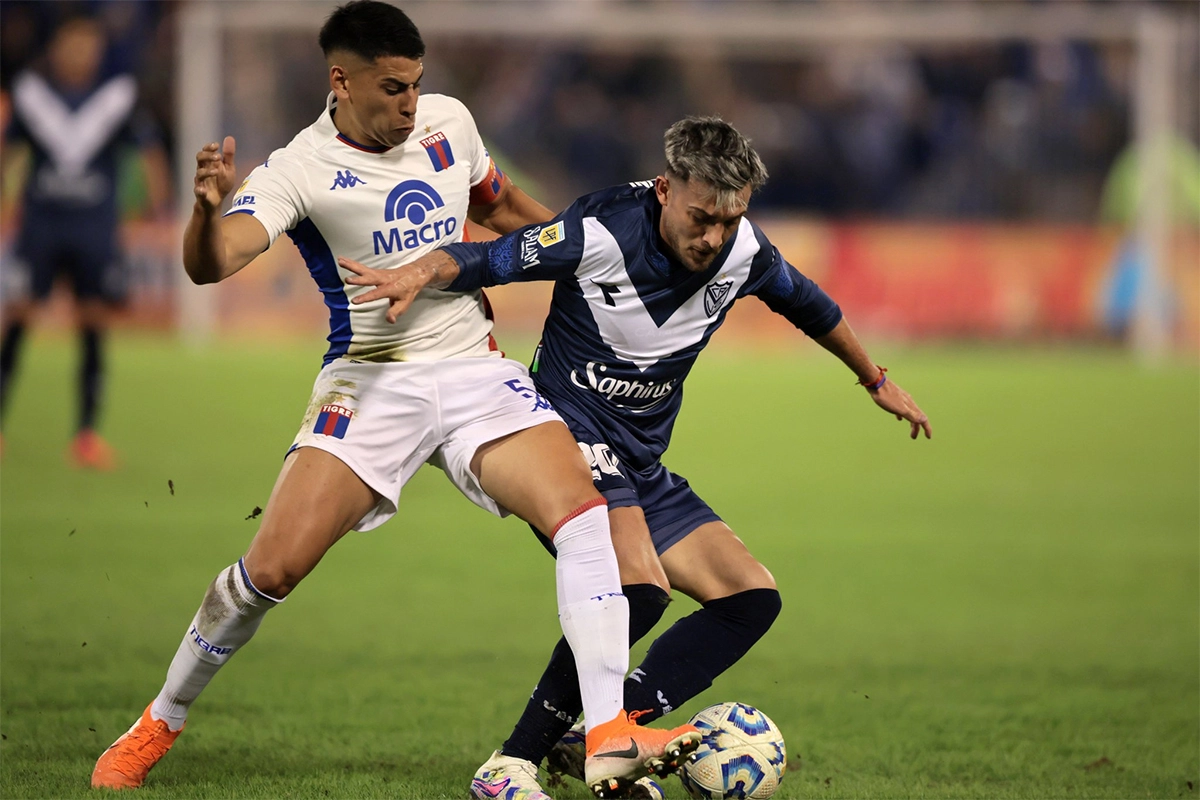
(1009, 610)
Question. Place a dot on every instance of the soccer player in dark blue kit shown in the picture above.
(645, 274)
(76, 122)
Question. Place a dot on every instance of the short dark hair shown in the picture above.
(370, 29)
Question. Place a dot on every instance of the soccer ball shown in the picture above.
(741, 754)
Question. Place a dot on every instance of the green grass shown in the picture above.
(989, 614)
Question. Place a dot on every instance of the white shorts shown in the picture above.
(386, 420)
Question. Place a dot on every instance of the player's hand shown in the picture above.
(895, 400)
(399, 285)
(215, 173)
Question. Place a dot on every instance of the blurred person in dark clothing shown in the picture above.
(75, 121)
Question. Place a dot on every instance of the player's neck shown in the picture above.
(348, 127)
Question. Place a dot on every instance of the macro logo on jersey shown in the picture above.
(412, 202)
(333, 421)
(438, 148)
(346, 180)
(714, 296)
(645, 395)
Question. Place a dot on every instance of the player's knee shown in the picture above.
(752, 611)
(559, 507)
(272, 577)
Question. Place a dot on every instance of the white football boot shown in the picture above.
(506, 778)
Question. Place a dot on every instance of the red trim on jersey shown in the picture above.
(487, 312)
(346, 140)
(489, 189)
(583, 509)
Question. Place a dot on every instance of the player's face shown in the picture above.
(692, 225)
(377, 98)
(76, 52)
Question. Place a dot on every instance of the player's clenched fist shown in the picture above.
(215, 173)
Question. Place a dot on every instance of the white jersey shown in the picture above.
(383, 208)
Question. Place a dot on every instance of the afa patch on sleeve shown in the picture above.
(552, 235)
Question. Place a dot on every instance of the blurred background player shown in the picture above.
(76, 121)
(391, 397)
(645, 275)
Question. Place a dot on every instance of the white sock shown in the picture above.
(593, 612)
(229, 615)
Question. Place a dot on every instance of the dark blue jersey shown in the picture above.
(628, 321)
(75, 138)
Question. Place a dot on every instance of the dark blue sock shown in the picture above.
(91, 377)
(690, 654)
(9, 349)
(555, 704)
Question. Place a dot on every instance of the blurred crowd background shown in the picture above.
(1015, 132)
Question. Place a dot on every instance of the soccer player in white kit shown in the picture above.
(379, 180)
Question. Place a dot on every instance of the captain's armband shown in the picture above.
(488, 190)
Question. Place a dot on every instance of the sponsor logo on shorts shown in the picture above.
(207, 646)
(648, 393)
(333, 421)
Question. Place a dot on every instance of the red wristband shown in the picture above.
(878, 383)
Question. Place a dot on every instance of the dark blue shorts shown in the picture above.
(85, 252)
(672, 508)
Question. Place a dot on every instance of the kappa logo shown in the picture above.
(714, 296)
(346, 180)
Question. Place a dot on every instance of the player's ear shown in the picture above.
(338, 81)
(662, 189)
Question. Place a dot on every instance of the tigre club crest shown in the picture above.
(714, 296)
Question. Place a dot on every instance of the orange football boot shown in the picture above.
(90, 451)
(619, 752)
(127, 761)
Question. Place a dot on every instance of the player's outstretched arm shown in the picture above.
(511, 210)
(842, 342)
(400, 286)
(215, 247)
